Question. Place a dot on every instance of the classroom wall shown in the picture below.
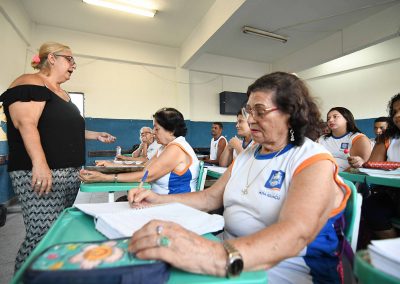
(363, 81)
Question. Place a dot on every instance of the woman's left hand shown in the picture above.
(181, 248)
(106, 137)
(92, 176)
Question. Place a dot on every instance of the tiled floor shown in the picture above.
(13, 232)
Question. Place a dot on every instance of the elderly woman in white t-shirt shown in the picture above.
(281, 199)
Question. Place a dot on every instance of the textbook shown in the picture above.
(118, 220)
(385, 255)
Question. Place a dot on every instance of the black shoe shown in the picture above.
(3, 215)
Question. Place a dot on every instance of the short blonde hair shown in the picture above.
(44, 51)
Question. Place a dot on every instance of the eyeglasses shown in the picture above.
(257, 112)
(69, 58)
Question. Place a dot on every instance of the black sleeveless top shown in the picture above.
(61, 129)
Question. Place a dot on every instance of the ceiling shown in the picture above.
(303, 21)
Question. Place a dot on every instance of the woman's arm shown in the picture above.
(206, 200)
(303, 215)
(361, 147)
(25, 117)
(379, 153)
(100, 136)
(226, 157)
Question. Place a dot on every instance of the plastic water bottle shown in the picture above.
(117, 151)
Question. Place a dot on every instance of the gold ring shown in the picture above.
(38, 182)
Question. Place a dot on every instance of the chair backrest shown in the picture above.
(352, 215)
(201, 180)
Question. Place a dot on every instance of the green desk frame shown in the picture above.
(367, 274)
(363, 178)
(75, 226)
(110, 187)
(213, 174)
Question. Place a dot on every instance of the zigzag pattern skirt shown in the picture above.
(39, 212)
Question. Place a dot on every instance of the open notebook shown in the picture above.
(118, 220)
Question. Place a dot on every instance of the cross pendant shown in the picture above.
(244, 190)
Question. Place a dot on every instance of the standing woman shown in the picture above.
(235, 146)
(344, 136)
(46, 139)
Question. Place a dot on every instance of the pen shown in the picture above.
(146, 173)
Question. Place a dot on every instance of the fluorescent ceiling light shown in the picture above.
(124, 6)
(258, 32)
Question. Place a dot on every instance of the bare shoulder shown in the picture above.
(27, 79)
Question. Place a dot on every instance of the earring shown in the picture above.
(291, 131)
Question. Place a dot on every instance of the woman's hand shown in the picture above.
(106, 137)
(92, 176)
(104, 164)
(140, 197)
(235, 143)
(181, 248)
(355, 161)
(41, 178)
(122, 158)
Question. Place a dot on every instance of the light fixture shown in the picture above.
(124, 6)
(258, 32)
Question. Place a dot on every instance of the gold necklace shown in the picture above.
(245, 190)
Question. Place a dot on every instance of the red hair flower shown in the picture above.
(36, 59)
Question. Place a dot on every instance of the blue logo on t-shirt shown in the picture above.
(344, 146)
(275, 180)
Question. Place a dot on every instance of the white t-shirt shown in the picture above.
(270, 179)
(337, 145)
(393, 151)
(152, 149)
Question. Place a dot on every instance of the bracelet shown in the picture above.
(115, 177)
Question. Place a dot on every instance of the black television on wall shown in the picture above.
(231, 102)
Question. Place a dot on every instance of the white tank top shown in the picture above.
(214, 147)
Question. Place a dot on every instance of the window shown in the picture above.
(78, 100)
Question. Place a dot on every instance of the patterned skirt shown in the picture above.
(39, 212)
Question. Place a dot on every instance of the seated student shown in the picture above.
(217, 144)
(174, 169)
(384, 202)
(236, 145)
(344, 135)
(281, 199)
(147, 148)
(380, 126)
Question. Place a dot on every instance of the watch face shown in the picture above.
(236, 267)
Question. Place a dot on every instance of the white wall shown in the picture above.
(375, 29)
(363, 81)
(204, 94)
(13, 51)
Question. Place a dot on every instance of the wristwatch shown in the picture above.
(234, 262)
